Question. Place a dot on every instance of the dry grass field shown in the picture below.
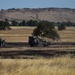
(64, 65)
(17, 34)
(21, 34)
(38, 60)
(67, 35)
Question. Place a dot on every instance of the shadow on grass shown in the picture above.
(34, 53)
(30, 53)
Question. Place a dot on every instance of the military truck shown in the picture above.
(35, 41)
(2, 43)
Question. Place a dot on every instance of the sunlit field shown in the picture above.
(35, 63)
(21, 34)
(17, 34)
(64, 65)
(67, 35)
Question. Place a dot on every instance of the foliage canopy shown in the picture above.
(46, 29)
(4, 25)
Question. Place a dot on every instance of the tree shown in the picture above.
(32, 23)
(6, 20)
(23, 23)
(46, 29)
(4, 25)
(61, 26)
(14, 23)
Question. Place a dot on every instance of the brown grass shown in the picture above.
(17, 34)
(64, 65)
(21, 34)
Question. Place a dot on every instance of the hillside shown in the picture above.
(49, 14)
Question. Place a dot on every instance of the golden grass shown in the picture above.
(64, 65)
(20, 34)
(17, 34)
(15, 39)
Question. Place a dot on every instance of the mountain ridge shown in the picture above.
(49, 14)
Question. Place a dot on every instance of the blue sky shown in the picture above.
(6, 4)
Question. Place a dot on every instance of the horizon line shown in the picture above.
(37, 8)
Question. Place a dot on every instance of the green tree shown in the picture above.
(6, 20)
(32, 23)
(14, 23)
(62, 26)
(4, 25)
(46, 29)
(23, 23)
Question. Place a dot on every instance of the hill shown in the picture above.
(49, 14)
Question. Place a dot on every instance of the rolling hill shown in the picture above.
(49, 14)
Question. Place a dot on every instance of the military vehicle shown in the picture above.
(35, 41)
(2, 43)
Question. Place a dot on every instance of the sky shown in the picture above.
(6, 4)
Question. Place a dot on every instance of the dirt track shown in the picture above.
(23, 50)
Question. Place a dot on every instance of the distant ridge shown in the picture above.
(49, 14)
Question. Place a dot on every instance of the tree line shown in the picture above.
(6, 25)
(35, 23)
(24, 23)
